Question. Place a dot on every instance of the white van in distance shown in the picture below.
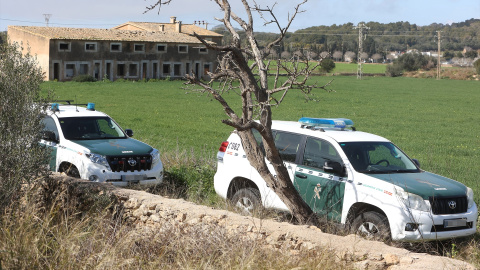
(354, 178)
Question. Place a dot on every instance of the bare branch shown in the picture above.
(158, 5)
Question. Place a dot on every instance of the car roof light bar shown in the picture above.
(320, 123)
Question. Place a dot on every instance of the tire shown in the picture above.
(372, 226)
(70, 170)
(247, 200)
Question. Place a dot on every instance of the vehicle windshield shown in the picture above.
(377, 158)
(90, 128)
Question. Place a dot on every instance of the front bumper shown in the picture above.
(99, 173)
(431, 227)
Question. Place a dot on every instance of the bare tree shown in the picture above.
(376, 57)
(256, 94)
(285, 55)
(364, 56)
(349, 56)
(337, 55)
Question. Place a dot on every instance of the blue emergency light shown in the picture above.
(55, 107)
(325, 122)
(91, 106)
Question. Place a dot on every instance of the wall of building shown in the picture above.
(38, 46)
(127, 60)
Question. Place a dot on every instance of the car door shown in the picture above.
(321, 189)
(50, 139)
(288, 145)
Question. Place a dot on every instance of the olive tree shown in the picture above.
(258, 94)
(22, 159)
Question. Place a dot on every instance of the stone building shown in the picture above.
(130, 51)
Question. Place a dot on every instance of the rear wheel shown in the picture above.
(247, 200)
(371, 225)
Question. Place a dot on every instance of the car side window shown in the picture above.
(317, 152)
(49, 125)
(288, 145)
(257, 136)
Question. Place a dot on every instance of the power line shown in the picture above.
(34, 22)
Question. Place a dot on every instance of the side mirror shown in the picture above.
(49, 135)
(129, 132)
(416, 162)
(334, 167)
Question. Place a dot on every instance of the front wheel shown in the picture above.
(247, 200)
(372, 226)
(70, 170)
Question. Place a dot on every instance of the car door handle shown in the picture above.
(301, 176)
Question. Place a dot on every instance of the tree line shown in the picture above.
(380, 39)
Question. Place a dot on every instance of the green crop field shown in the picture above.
(435, 121)
(341, 67)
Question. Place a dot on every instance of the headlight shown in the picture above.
(412, 201)
(99, 159)
(470, 197)
(155, 157)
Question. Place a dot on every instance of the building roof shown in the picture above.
(107, 34)
(170, 27)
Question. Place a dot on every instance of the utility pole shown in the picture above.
(47, 18)
(439, 67)
(361, 37)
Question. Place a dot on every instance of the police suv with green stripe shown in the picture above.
(354, 178)
(88, 144)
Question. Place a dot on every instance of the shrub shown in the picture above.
(21, 157)
(84, 78)
(327, 65)
(394, 70)
(476, 65)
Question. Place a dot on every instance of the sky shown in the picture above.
(109, 13)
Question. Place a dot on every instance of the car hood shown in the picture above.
(425, 184)
(116, 147)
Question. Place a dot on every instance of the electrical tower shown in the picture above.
(47, 18)
(361, 37)
(439, 65)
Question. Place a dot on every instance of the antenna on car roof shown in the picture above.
(76, 105)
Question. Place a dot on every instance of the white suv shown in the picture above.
(354, 178)
(88, 144)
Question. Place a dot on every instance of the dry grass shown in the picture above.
(63, 239)
(453, 73)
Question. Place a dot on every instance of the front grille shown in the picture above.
(442, 205)
(130, 163)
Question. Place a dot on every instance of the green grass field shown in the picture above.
(341, 67)
(434, 121)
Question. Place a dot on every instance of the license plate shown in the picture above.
(135, 177)
(450, 223)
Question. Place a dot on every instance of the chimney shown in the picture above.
(178, 26)
(161, 27)
(173, 19)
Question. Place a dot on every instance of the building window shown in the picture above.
(177, 70)
(83, 69)
(161, 48)
(91, 47)
(139, 47)
(116, 47)
(120, 70)
(64, 46)
(69, 70)
(203, 50)
(166, 69)
(133, 70)
(206, 69)
(182, 48)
